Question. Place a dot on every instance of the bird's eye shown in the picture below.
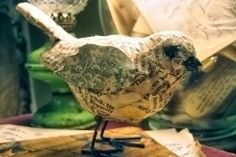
(171, 51)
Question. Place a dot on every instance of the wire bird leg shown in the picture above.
(117, 144)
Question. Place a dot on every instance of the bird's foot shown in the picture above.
(102, 153)
(116, 146)
(120, 142)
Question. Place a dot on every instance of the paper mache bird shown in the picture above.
(116, 77)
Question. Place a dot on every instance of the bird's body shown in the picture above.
(116, 77)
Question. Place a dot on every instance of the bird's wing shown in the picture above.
(103, 68)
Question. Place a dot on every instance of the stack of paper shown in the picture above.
(181, 143)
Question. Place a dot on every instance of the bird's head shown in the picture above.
(178, 48)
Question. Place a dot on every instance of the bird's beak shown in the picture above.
(192, 64)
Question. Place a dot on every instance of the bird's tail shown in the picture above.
(40, 19)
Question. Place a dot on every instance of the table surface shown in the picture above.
(26, 119)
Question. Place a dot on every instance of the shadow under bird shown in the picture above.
(116, 77)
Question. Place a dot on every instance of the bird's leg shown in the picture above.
(99, 121)
(92, 144)
(103, 130)
(93, 151)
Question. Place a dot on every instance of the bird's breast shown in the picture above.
(129, 105)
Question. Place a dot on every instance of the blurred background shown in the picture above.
(205, 102)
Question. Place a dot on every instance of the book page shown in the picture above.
(210, 24)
